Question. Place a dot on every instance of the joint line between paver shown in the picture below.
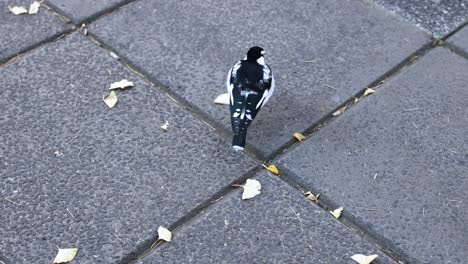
(92, 18)
(457, 50)
(148, 246)
(355, 99)
(11, 59)
(453, 32)
(347, 219)
(326, 204)
(196, 112)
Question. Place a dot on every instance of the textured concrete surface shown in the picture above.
(17, 33)
(321, 52)
(278, 226)
(460, 39)
(437, 16)
(83, 10)
(77, 174)
(397, 161)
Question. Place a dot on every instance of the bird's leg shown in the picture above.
(243, 121)
(238, 140)
(237, 113)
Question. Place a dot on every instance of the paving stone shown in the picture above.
(77, 174)
(278, 226)
(321, 52)
(83, 10)
(437, 16)
(397, 161)
(17, 33)
(460, 39)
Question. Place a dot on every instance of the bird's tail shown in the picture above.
(238, 140)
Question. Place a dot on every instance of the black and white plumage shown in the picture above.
(250, 84)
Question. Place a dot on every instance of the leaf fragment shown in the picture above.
(272, 168)
(114, 55)
(363, 259)
(369, 91)
(84, 30)
(121, 85)
(222, 99)
(111, 100)
(65, 255)
(413, 58)
(337, 212)
(439, 42)
(312, 197)
(339, 111)
(34, 7)
(165, 126)
(164, 234)
(299, 136)
(251, 189)
(18, 10)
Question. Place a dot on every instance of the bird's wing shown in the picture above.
(269, 82)
(231, 77)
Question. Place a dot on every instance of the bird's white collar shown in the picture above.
(261, 61)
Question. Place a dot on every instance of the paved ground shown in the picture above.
(401, 152)
(280, 219)
(438, 17)
(460, 41)
(20, 33)
(74, 173)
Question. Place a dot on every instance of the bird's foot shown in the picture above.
(237, 148)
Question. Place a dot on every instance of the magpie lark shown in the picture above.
(250, 84)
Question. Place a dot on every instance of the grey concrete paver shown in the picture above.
(17, 33)
(82, 10)
(397, 161)
(460, 39)
(278, 226)
(437, 16)
(77, 174)
(321, 52)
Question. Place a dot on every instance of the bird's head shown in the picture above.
(255, 53)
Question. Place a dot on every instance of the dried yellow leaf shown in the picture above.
(65, 255)
(111, 100)
(312, 197)
(222, 99)
(299, 136)
(34, 7)
(18, 10)
(251, 189)
(363, 259)
(339, 111)
(165, 126)
(369, 91)
(337, 212)
(164, 234)
(121, 85)
(272, 168)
